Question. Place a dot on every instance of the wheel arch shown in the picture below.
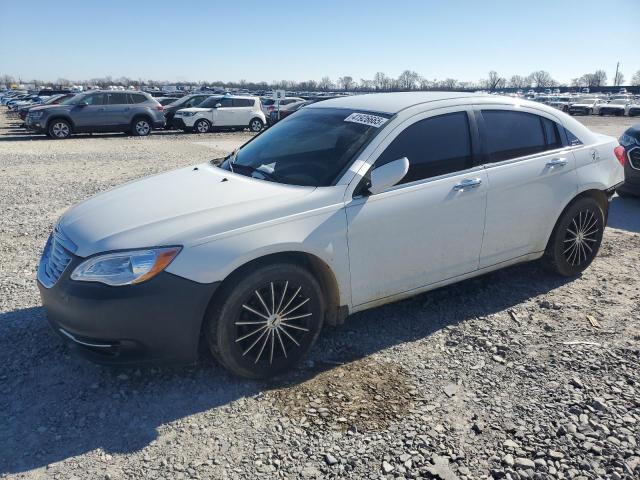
(335, 313)
(61, 117)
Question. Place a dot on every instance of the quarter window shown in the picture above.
(136, 98)
(434, 146)
(242, 102)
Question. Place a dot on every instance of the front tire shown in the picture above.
(266, 320)
(576, 238)
(141, 127)
(202, 126)
(256, 125)
(59, 129)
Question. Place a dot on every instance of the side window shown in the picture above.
(226, 102)
(572, 140)
(192, 102)
(242, 102)
(434, 146)
(95, 99)
(509, 134)
(136, 98)
(117, 98)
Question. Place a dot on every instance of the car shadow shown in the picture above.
(19, 135)
(624, 213)
(56, 405)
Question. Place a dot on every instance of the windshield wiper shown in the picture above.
(249, 169)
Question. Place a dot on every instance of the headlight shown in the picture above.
(188, 114)
(125, 268)
(36, 114)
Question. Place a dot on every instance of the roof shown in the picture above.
(390, 103)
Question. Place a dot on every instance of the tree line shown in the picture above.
(381, 82)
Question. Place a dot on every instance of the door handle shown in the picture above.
(557, 162)
(467, 183)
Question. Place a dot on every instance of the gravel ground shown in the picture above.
(502, 376)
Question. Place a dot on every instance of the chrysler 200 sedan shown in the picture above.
(347, 204)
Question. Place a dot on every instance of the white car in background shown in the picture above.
(617, 106)
(270, 104)
(348, 204)
(222, 112)
(585, 105)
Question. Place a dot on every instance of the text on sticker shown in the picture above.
(366, 119)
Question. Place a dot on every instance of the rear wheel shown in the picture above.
(256, 125)
(59, 129)
(202, 126)
(141, 127)
(266, 321)
(576, 238)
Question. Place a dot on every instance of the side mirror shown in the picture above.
(218, 105)
(82, 104)
(388, 175)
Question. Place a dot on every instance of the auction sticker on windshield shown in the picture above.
(366, 119)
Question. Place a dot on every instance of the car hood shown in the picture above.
(582, 104)
(49, 107)
(181, 207)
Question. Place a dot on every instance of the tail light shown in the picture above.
(620, 154)
(160, 108)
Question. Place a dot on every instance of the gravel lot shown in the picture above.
(502, 376)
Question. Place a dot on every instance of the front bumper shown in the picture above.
(179, 123)
(156, 321)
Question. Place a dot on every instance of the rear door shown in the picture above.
(117, 109)
(531, 173)
(242, 111)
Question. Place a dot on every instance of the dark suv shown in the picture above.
(99, 111)
(188, 101)
(630, 140)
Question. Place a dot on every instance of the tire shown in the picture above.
(576, 238)
(59, 129)
(141, 127)
(246, 337)
(202, 126)
(256, 125)
(590, 111)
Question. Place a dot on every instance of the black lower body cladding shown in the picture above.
(156, 321)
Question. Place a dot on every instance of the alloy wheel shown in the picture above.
(142, 127)
(256, 125)
(273, 322)
(581, 238)
(202, 126)
(60, 130)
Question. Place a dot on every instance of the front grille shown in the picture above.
(55, 258)
(634, 158)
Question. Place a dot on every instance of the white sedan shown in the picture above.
(345, 205)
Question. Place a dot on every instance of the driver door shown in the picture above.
(429, 227)
(89, 117)
(223, 116)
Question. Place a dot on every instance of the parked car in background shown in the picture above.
(187, 101)
(585, 105)
(287, 110)
(630, 141)
(614, 107)
(52, 100)
(270, 104)
(164, 101)
(561, 102)
(634, 108)
(349, 204)
(221, 112)
(133, 112)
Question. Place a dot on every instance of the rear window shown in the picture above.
(267, 102)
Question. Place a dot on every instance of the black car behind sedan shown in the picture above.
(630, 140)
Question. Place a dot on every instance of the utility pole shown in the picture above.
(615, 79)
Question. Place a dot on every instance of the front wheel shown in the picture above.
(266, 320)
(576, 238)
(255, 125)
(59, 129)
(141, 127)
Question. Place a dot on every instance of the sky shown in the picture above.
(272, 40)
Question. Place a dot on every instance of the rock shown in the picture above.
(598, 403)
(576, 382)
(330, 459)
(510, 444)
(524, 463)
(508, 460)
(556, 455)
(499, 359)
(387, 467)
(451, 389)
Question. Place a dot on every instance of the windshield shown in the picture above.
(74, 100)
(210, 102)
(309, 148)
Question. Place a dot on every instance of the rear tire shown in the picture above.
(576, 238)
(59, 129)
(141, 127)
(202, 126)
(266, 320)
(256, 125)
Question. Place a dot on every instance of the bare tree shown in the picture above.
(494, 81)
(381, 81)
(518, 81)
(346, 82)
(325, 84)
(449, 84)
(618, 79)
(408, 80)
(635, 80)
(542, 79)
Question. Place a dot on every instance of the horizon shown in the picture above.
(178, 46)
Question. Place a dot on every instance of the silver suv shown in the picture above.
(99, 111)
